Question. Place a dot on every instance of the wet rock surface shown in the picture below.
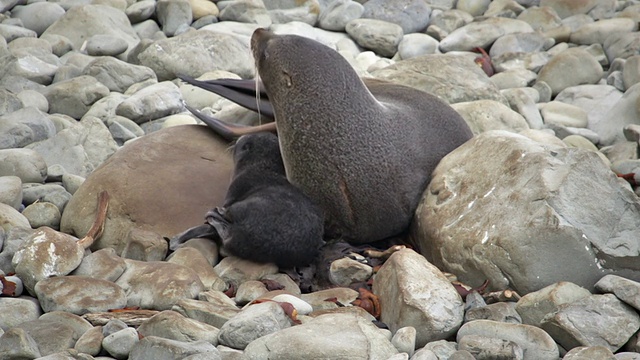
(89, 101)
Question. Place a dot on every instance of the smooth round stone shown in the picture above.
(543, 18)
(301, 306)
(473, 7)
(140, 11)
(26, 164)
(578, 141)
(559, 113)
(173, 14)
(11, 191)
(516, 78)
(585, 69)
(38, 16)
(203, 8)
(10, 217)
(32, 98)
(413, 45)
(568, 8)
(522, 42)
(43, 214)
(106, 45)
(482, 33)
(599, 31)
(338, 13)
(411, 15)
(120, 343)
(12, 32)
(380, 36)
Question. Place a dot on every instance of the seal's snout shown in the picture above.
(259, 40)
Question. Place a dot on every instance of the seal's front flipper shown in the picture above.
(229, 131)
(216, 218)
(202, 231)
(241, 92)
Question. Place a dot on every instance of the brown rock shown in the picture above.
(163, 182)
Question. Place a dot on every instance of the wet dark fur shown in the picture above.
(264, 217)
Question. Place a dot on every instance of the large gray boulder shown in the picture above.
(163, 182)
(525, 215)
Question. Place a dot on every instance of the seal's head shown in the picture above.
(296, 70)
(259, 149)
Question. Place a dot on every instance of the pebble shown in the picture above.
(380, 36)
(69, 101)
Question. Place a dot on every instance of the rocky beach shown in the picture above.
(525, 244)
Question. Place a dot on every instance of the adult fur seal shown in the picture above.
(264, 217)
(363, 151)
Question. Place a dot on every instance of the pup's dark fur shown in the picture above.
(264, 218)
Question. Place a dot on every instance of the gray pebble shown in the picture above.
(589, 352)
(119, 344)
(23, 127)
(106, 45)
(346, 271)
(338, 13)
(416, 44)
(572, 326)
(32, 98)
(75, 96)
(172, 325)
(411, 15)
(194, 259)
(405, 340)
(140, 11)
(79, 295)
(17, 343)
(52, 193)
(43, 214)
(23, 309)
(26, 164)
(153, 347)
(173, 14)
(38, 16)
(11, 191)
(213, 311)
(144, 245)
(90, 342)
(380, 36)
(482, 347)
(102, 264)
(113, 326)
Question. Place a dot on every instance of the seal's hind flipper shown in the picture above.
(241, 92)
(202, 231)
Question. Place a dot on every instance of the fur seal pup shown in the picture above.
(264, 218)
(362, 151)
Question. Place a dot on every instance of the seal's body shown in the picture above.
(264, 217)
(365, 154)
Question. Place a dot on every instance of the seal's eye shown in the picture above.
(287, 79)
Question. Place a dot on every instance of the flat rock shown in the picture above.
(79, 295)
(118, 75)
(253, 322)
(134, 182)
(196, 52)
(102, 264)
(428, 303)
(563, 229)
(380, 36)
(81, 22)
(153, 347)
(534, 306)
(585, 70)
(44, 254)
(482, 33)
(151, 102)
(572, 325)
(23, 309)
(624, 289)
(452, 78)
(411, 15)
(169, 324)
(158, 285)
(75, 96)
(535, 343)
(79, 149)
(214, 313)
(331, 336)
(23, 127)
(485, 115)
